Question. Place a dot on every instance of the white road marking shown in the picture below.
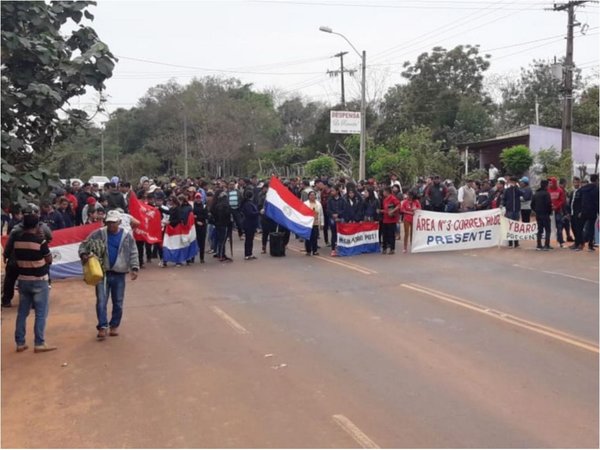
(355, 433)
(517, 321)
(332, 260)
(229, 320)
(557, 273)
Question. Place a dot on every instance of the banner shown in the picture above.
(150, 229)
(434, 231)
(512, 230)
(357, 238)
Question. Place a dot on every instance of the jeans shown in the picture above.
(36, 294)
(589, 225)
(201, 238)
(326, 228)
(113, 285)
(558, 221)
(221, 238)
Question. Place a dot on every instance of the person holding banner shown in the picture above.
(391, 207)
(336, 206)
(311, 244)
(512, 203)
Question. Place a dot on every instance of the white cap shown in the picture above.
(112, 216)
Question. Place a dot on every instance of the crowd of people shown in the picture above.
(221, 207)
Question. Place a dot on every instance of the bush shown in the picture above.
(324, 165)
(517, 160)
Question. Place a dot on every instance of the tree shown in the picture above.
(585, 112)
(442, 85)
(517, 159)
(551, 163)
(298, 121)
(519, 98)
(322, 166)
(42, 69)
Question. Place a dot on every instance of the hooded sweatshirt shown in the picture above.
(557, 195)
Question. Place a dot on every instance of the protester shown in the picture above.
(389, 211)
(408, 208)
(589, 210)
(267, 224)
(558, 196)
(201, 224)
(250, 216)
(32, 258)
(221, 212)
(311, 245)
(467, 196)
(336, 205)
(435, 194)
(526, 195)
(512, 204)
(574, 205)
(117, 252)
(541, 205)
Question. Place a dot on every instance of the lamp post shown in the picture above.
(363, 105)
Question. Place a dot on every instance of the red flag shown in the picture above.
(150, 229)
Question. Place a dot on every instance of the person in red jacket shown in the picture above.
(390, 211)
(559, 198)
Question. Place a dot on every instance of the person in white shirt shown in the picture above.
(467, 196)
(394, 181)
(492, 172)
(311, 244)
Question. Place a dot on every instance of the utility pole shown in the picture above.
(102, 149)
(335, 73)
(363, 119)
(567, 117)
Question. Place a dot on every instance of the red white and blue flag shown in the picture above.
(179, 242)
(65, 250)
(284, 208)
(357, 238)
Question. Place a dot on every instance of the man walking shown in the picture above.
(541, 205)
(512, 203)
(118, 254)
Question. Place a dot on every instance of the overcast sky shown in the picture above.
(277, 44)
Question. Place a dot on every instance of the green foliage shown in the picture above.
(42, 69)
(517, 159)
(444, 93)
(551, 163)
(585, 112)
(477, 174)
(322, 166)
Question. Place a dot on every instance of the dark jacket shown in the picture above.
(53, 219)
(589, 201)
(541, 203)
(353, 209)
(336, 206)
(116, 200)
(200, 213)
(512, 199)
(574, 202)
(250, 216)
(221, 212)
(370, 207)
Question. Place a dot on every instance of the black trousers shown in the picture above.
(237, 219)
(326, 228)
(577, 228)
(201, 238)
(589, 224)
(544, 228)
(389, 236)
(8, 288)
(526, 215)
(268, 226)
(333, 224)
(310, 245)
(249, 241)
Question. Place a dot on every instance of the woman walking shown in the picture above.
(311, 244)
(408, 208)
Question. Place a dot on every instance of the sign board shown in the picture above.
(344, 122)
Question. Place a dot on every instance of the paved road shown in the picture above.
(487, 348)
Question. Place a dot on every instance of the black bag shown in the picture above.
(276, 244)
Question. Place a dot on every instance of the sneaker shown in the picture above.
(404, 250)
(539, 248)
(22, 348)
(101, 334)
(113, 331)
(178, 265)
(333, 253)
(591, 249)
(263, 251)
(249, 258)
(392, 252)
(315, 253)
(577, 249)
(384, 251)
(572, 247)
(44, 348)
(561, 245)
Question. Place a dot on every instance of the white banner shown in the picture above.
(511, 230)
(434, 231)
(344, 122)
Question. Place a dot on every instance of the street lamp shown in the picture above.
(363, 106)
